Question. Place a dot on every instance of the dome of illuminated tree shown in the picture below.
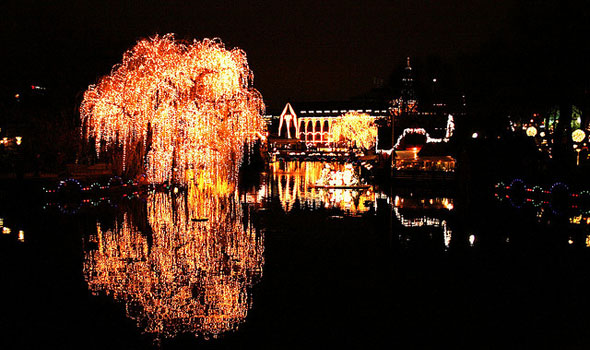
(176, 111)
(355, 128)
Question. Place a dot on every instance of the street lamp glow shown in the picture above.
(531, 131)
(578, 135)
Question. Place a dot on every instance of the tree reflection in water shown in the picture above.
(191, 274)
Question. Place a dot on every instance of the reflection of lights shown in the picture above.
(531, 131)
(21, 235)
(181, 274)
(588, 241)
(6, 230)
(296, 182)
(447, 204)
(471, 240)
(1, 222)
(194, 101)
(578, 135)
(446, 234)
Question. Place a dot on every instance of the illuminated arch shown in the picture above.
(289, 118)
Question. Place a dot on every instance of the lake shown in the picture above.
(288, 263)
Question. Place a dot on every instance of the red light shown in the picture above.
(32, 87)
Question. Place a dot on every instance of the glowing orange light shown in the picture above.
(355, 128)
(176, 110)
(189, 269)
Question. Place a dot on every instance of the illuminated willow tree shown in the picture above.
(355, 128)
(176, 111)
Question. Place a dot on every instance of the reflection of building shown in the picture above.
(410, 213)
(295, 182)
(409, 164)
(186, 268)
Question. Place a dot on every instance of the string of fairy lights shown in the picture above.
(176, 111)
(559, 198)
(449, 130)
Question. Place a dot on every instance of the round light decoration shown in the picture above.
(531, 131)
(578, 135)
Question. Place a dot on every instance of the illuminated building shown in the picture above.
(312, 123)
(303, 125)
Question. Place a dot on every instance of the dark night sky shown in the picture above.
(298, 50)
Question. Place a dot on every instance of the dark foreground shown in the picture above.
(328, 280)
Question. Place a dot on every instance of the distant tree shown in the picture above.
(357, 129)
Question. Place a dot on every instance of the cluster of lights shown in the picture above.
(176, 111)
(355, 128)
(18, 140)
(578, 135)
(538, 197)
(296, 182)
(531, 131)
(449, 130)
(6, 231)
(195, 273)
(95, 187)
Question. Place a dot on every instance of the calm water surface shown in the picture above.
(288, 264)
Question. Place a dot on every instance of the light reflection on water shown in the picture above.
(191, 268)
(192, 273)
(295, 182)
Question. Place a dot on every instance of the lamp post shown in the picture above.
(578, 136)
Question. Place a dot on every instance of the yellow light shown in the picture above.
(193, 102)
(6, 230)
(21, 235)
(578, 135)
(355, 128)
(531, 131)
(19, 140)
